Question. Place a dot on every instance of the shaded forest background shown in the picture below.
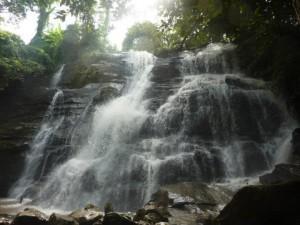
(267, 35)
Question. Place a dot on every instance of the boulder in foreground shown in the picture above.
(30, 217)
(263, 205)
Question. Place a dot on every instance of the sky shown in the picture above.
(140, 11)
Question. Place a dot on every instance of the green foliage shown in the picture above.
(39, 56)
(143, 36)
(192, 23)
(17, 7)
(14, 70)
(11, 45)
(52, 41)
(17, 61)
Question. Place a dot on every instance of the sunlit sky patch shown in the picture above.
(139, 11)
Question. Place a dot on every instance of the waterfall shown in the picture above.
(35, 159)
(193, 117)
(57, 77)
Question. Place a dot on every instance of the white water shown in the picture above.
(114, 125)
(57, 77)
(206, 130)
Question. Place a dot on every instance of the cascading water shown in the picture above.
(35, 159)
(199, 120)
(100, 165)
(57, 77)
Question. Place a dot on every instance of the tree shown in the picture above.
(196, 22)
(143, 36)
(45, 8)
(17, 7)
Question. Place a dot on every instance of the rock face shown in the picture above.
(263, 205)
(22, 110)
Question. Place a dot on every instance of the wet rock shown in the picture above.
(165, 69)
(265, 204)
(156, 210)
(198, 193)
(161, 198)
(19, 119)
(282, 173)
(140, 215)
(210, 164)
(106, 94)
(182, 217)
(6, 220)
(88, 215)
(254, 158)
(57, 219)
(245, 83)
(155, 216)
(30, 217)
(116, 219)
(152, 214)
(179, 201)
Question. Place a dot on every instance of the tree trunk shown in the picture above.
(42, 22)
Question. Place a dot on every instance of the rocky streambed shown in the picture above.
(185, 203)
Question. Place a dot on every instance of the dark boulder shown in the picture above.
(116, 219)
(263, 205)
(30, 217)
(281, 173)
(57, 219)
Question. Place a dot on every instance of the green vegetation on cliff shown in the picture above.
(17, 61)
